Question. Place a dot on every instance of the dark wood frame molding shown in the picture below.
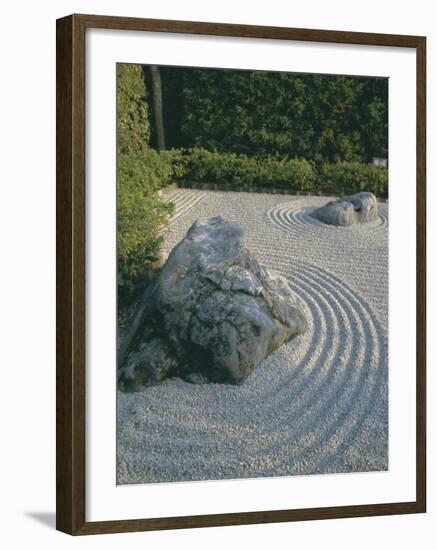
(70, 255)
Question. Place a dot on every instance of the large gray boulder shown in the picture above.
(213, 313)
(359, 208)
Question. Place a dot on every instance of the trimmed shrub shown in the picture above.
(232, 171)
(327, 118)
(141, 171)
(141, 212)
(133, 128)
(240, 172)
(178, 160)
(345, 178)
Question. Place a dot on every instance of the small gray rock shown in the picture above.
(213, 314)
(349, 210)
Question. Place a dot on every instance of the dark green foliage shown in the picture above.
(141, 171)
(374, 118)
(240, 172)
(318, 117)
(246, 130)
(133, 128)
(233, 171)
(345, 178)
(141, 212)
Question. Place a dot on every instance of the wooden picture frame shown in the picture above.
(71, 254)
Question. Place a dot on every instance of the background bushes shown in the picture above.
(196, 167)
(141, 171)
(133, 127)
(321, 118)
(232, 171)
(240, 130)
(344, 178)
(141, 212)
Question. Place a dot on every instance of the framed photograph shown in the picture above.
(240, 274)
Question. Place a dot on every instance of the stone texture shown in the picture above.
(358, 208)
(212, 315)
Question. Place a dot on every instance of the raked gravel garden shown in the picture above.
(318, 404)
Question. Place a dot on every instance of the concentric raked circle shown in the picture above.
(305, 409)
(295, 218)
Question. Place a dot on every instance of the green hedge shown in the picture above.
(345, 178)
(232, 171)
(133, 127)
(141, 212)
(141, 171)
(240, 172)
(326, 118)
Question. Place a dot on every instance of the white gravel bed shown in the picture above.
(316, 405)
